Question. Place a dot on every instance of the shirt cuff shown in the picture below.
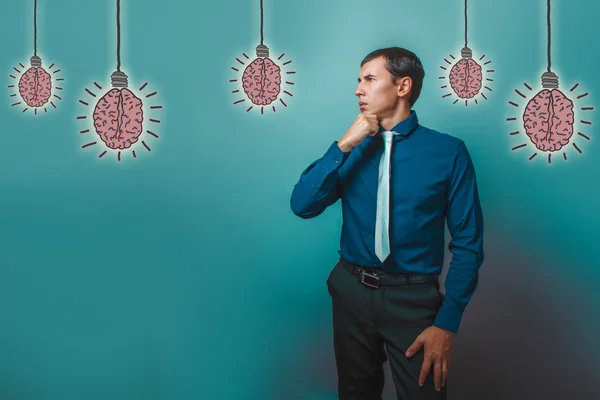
(335, 153)
(448, 319)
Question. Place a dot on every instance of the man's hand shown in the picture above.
(364, 125)
(438, 348)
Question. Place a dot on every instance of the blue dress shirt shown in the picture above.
(432, 182)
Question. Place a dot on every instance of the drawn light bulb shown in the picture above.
(262, 78)
(549, 117)
(118, 117)
(35, 84)
(466, 76)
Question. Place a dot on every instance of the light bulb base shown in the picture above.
(119, 79)
(262, 51)
(466, 52)
(549, 80)
(36, 61)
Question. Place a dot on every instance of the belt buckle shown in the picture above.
(364, 274)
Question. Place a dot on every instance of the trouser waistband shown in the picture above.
(369, 277)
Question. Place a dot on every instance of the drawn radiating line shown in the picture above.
(583, 136)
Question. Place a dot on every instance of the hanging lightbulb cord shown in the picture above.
(118, 35)
(261, 49)
(466, 51)
(549, 78)
(35, 60)
(549, 36)
(261, 21)
(35, 28)
(465, 23)
(118, 78)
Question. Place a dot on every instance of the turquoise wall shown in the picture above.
(183, 274)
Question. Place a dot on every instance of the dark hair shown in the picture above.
(401, 62)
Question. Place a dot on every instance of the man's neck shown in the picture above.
(400, 115)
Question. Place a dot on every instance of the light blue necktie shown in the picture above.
(382, 230)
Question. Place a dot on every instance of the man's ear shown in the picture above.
(404, 86)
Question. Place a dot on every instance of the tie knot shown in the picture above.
(387, 136)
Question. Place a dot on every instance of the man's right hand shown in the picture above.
(366, 124)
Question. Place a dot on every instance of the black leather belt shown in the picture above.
(369, 277)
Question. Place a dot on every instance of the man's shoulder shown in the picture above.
(442, 139)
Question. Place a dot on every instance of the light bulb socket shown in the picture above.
(36, 61)
(549, 80)
(119, 79)
(262, 51)
(466, 52)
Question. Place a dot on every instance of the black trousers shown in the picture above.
(371, 326)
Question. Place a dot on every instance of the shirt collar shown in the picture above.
(404, 127)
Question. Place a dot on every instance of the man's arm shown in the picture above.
(465, 223)
(317, 187)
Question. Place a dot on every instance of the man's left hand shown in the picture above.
(437, 344)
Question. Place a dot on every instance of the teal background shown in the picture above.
(183, 274)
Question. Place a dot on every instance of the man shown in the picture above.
(399, 183)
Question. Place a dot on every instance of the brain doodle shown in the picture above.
(548, 120)
(35, 87)
(118, 118)
(261, 81)
(465, 78)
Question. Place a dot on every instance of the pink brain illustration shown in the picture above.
(35, 87)
(465, 78)
(548, 120)
(118, 118)
(261, 81)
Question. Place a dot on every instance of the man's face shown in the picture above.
(376, 92)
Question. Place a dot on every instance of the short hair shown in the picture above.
(400, 63)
